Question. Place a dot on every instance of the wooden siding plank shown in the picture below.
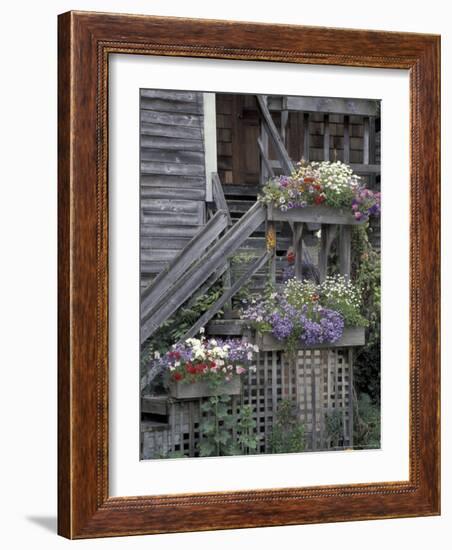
(187, 256)
(169, 95)
(171, 180)
(187, 193)
(172, 169)
(171, 143)
(169, 106)
(173, 157)
(164, 130)
(156, 117)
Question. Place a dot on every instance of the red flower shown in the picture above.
(318, 199)
(290, 256)
(177, 376)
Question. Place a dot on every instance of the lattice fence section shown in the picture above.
(319, 382)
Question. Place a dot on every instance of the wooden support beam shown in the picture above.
(347, 139)
(306, 136)
(298, 249)
(218, 196)
(345, 246)
(326, 240)
(326, 137)
(283, 156)
(265, 161)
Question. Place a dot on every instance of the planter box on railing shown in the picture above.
(196, 390)
(352, 336)
(314, 214)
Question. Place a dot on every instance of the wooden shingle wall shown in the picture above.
(173, 180)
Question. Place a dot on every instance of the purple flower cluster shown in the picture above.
(327, 327)
(312, 324)
(366, 203)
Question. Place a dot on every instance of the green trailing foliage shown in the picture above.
(287, 435)
(334, 425)
(366, 272)
(216, 429)
(366, 423)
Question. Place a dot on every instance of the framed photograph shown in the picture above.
(248, 275)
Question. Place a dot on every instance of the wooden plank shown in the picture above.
(345, 251)
(172, 180)
(165, 130)
(173, 193)
(356, 106)
(226, 327)
(215, 308)
(346, 144)
(352, 336)
(298, 249)
(169, 95)
(219, 198)
(171, 206)
(161, 243)
(316, 214)
(273, 133)
(170, 219)
(161, 255)
(169, 106)
(326, 240)
(172, 168)
(365, 168)
(264, 158)
(306, 137)
(326, 137)
(169, 231)
(173, 157)
(366, 141)
(155, 312)
(192, 251)
(156, 117)
(171, 143)
(154, 404)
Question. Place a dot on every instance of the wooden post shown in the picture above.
(328, 232)
(326, 137)
(347, 139)
(345, 246)
(306, 136)
(271, 247)
(298, 249)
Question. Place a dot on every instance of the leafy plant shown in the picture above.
(287, 435)
(366, 423)
(366, 270)
(334, 426)
(216, 429)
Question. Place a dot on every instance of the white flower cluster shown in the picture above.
(336, 176)
(340, 287)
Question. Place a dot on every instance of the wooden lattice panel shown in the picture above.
(319, 382)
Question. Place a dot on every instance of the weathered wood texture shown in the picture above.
(85, 508)
(158, 310)
(173, 179)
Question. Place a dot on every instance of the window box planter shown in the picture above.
(352, 336)
(196, 390)
(314, 214)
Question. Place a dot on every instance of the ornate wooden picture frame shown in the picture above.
(86, 40)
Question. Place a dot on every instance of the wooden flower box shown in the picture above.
(352, 336)
(314, 214)
(196, 390)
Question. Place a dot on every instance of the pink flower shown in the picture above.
(358, 215)
(239, 370)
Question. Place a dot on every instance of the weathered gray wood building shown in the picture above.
(203, 158)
